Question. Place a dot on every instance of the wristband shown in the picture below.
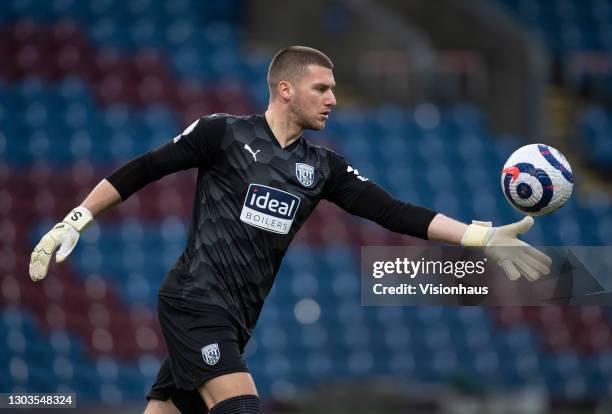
(476, 234)
(79, 218)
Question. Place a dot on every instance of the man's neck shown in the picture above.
(284, 129)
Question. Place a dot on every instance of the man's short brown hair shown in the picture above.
(291, 62)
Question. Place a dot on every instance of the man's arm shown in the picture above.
(359, 196)
(101, 198)
(446, 229)
(198, 145)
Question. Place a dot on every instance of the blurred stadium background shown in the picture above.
(433, 96)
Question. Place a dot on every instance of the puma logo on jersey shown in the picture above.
(254, 154)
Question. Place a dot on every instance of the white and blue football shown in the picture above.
(537, 179)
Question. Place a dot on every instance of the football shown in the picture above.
(537, 179)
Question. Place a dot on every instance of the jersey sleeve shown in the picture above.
(198, 146)
(356, 194)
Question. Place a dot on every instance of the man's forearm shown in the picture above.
(376, 204)
(101, 198)
(446, 229)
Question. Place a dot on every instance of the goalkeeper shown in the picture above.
(258, 181)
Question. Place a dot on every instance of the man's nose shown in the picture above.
(331, 100)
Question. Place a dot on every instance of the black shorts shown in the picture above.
(201, 344)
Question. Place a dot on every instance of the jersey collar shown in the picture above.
(274, 140)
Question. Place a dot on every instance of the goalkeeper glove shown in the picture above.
(514, 256)
(63, 235)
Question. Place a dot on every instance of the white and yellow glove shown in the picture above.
(501, 244)
(63, 235)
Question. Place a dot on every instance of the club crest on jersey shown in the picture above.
(269, 208)
(305, 174)
(211, 353)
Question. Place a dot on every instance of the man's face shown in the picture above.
(314, 97)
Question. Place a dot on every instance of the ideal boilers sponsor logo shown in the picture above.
(269, 208)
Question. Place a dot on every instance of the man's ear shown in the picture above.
(285, 90)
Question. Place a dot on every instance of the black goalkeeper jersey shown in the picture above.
(252, 197)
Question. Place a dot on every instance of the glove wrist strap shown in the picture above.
(476, 234)
(79, 218)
